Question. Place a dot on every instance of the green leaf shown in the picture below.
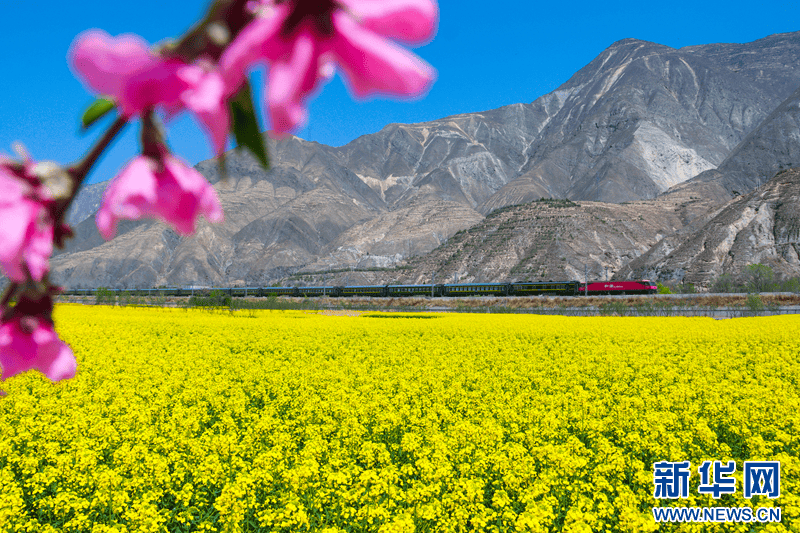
(245, 125)
(99, 108)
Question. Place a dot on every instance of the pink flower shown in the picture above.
(26, 234)
(170, 191)
(29, 343)
(125, 69)
(300, 39)
(411, 21)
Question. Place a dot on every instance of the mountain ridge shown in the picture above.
(638, 122)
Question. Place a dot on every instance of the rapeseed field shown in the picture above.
(185, 420)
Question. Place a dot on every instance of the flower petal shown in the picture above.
(26, 240)
(14, 234)
(106, 63)
(184, 195)
(290, 82)
(39, 248)
(176, 194)
(411, 21)
(158, 84)
(257, 42)
(375, 65)
(124, 68)
(54, 358)
(41, 350)
(128, 196)
(206, 99)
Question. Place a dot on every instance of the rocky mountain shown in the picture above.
(764, 61)
(542, 240)
(86, 203)
(637, 120)
(770, 148)
(762, 226)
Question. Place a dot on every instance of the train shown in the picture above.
(515, 288)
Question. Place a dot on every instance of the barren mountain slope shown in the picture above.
(396, 236)
(760, 227)
(549, 239)
(637, 120)
(762, 61)
(771, 147)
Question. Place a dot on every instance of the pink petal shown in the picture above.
(54, 358)
(13, 236)
(25, 239)
(184, 195)
(206, 99)
(411, 21)
(11, 187)
(159, 84)
(127, 196)
(39, 249)
(258, 41)
(124, 68)
(177, 194)
(375, 65)
(106, 63)
(42, 350)
(290, 82)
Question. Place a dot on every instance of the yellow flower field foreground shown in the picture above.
(183, 420)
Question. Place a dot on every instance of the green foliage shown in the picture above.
(500, 210)
(216, 299)
(759, 278)
(105, 296)
(557, 202)
(644, 308)
(663, 289)
(755, 278)
(725, 283)
(754, 303)
(274, 302)
(791, 285)
(682, 288)
(245, 126)
(125, 298)
(96, 110)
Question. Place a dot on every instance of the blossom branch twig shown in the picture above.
(80, 170)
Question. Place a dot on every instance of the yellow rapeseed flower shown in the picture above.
(185, 420)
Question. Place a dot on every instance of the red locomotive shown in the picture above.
(643, 286)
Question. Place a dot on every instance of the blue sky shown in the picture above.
(487, 54)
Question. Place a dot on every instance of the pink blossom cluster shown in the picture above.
(300, 41)
(27, 337)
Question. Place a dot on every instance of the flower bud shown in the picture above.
(55, 178)
(218, 33)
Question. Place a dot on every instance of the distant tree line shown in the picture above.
(755, 278)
